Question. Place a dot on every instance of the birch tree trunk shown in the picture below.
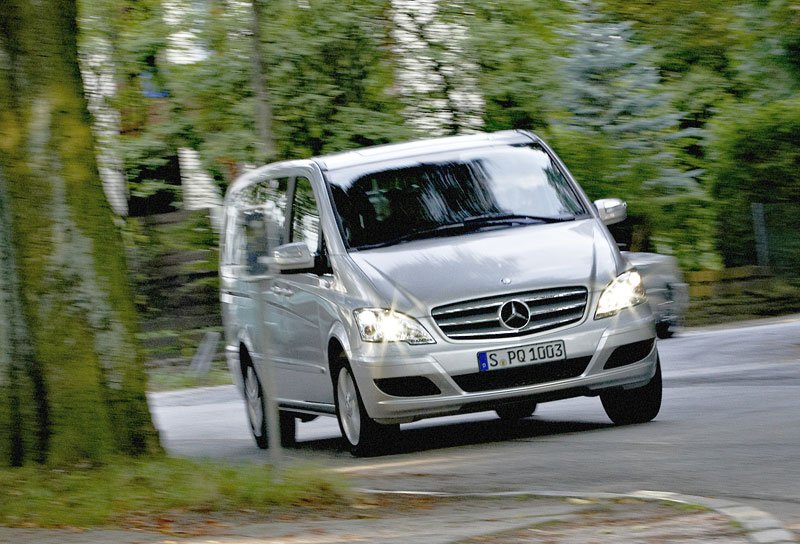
(263, 103)
(72, 382)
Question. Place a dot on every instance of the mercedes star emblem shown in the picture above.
(514, 314)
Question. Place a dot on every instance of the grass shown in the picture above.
(685, 506)
(120, 492)
(169, 378)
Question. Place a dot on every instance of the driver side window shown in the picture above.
(305, 216)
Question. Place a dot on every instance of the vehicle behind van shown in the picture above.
(400, 282)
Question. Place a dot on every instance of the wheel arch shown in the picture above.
(338, 344)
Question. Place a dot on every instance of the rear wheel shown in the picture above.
(256, 412)
(640, 405)
(254, 401)
(288, 423)
(515, 412)
(363, 435)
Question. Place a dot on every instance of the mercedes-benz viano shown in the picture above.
(394, 283)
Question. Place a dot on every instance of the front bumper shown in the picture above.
(448, 363)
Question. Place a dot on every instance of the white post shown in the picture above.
(760, 228)
(270, 401)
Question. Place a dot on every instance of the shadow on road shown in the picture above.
(450, 435)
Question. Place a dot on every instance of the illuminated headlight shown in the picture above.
(625, 291)
(379, 325)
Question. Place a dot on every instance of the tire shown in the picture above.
(664, 330)
(363, 435)
(640, 405)
(256, 413)
(288, 423)
(254, 402)
(515, 412)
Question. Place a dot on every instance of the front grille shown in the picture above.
(523, 375)
(480, 318)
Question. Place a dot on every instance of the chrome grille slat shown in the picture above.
(479, 318)
(450, 323)
(543, 311)
(565, 294)
(494, 305)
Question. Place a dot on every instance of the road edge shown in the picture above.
(759, 526)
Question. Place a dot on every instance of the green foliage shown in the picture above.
(330, 76)
(686, 33)
(624, 90)
(214, 96)
(621, 135)
(515, 48)
(757, 159)
(766, 53)
(124, 490)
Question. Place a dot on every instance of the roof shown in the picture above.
(366, 155)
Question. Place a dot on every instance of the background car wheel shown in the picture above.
(515, 412)
(663, 330)
(363, 435)
(254, 401)
(640, 405)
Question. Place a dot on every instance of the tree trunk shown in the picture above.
(72, 382)
(263, 105)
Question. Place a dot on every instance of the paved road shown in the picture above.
(729, 428)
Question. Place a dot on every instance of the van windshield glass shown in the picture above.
(453, 193)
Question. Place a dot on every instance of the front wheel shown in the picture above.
(364, 435)
(640, 405)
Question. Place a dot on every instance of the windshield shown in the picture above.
(449, 194)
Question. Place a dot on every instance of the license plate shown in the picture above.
(522, 355)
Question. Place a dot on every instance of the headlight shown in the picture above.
(379, 325)
(625, 291)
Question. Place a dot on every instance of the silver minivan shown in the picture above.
(399, 282)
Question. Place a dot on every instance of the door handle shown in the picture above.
(281, 291)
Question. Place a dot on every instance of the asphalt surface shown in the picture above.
(720, 462)
(728, 429)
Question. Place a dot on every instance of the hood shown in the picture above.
(417, 276)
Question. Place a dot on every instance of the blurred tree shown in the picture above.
(685, 33)
(332, 76)
(436, 76)
(757, 159)
(153, 127)
(263, 104)
(71, 378)
(767, 52)
(514, 48)
(621, 136)
(220, 98)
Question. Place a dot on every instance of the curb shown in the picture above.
(759, 526)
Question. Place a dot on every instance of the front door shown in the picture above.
(304, 305)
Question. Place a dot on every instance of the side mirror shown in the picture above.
(293, 257)
(611, 210)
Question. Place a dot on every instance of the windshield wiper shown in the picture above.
(469, 224)
(419, 234)
(512, 218)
